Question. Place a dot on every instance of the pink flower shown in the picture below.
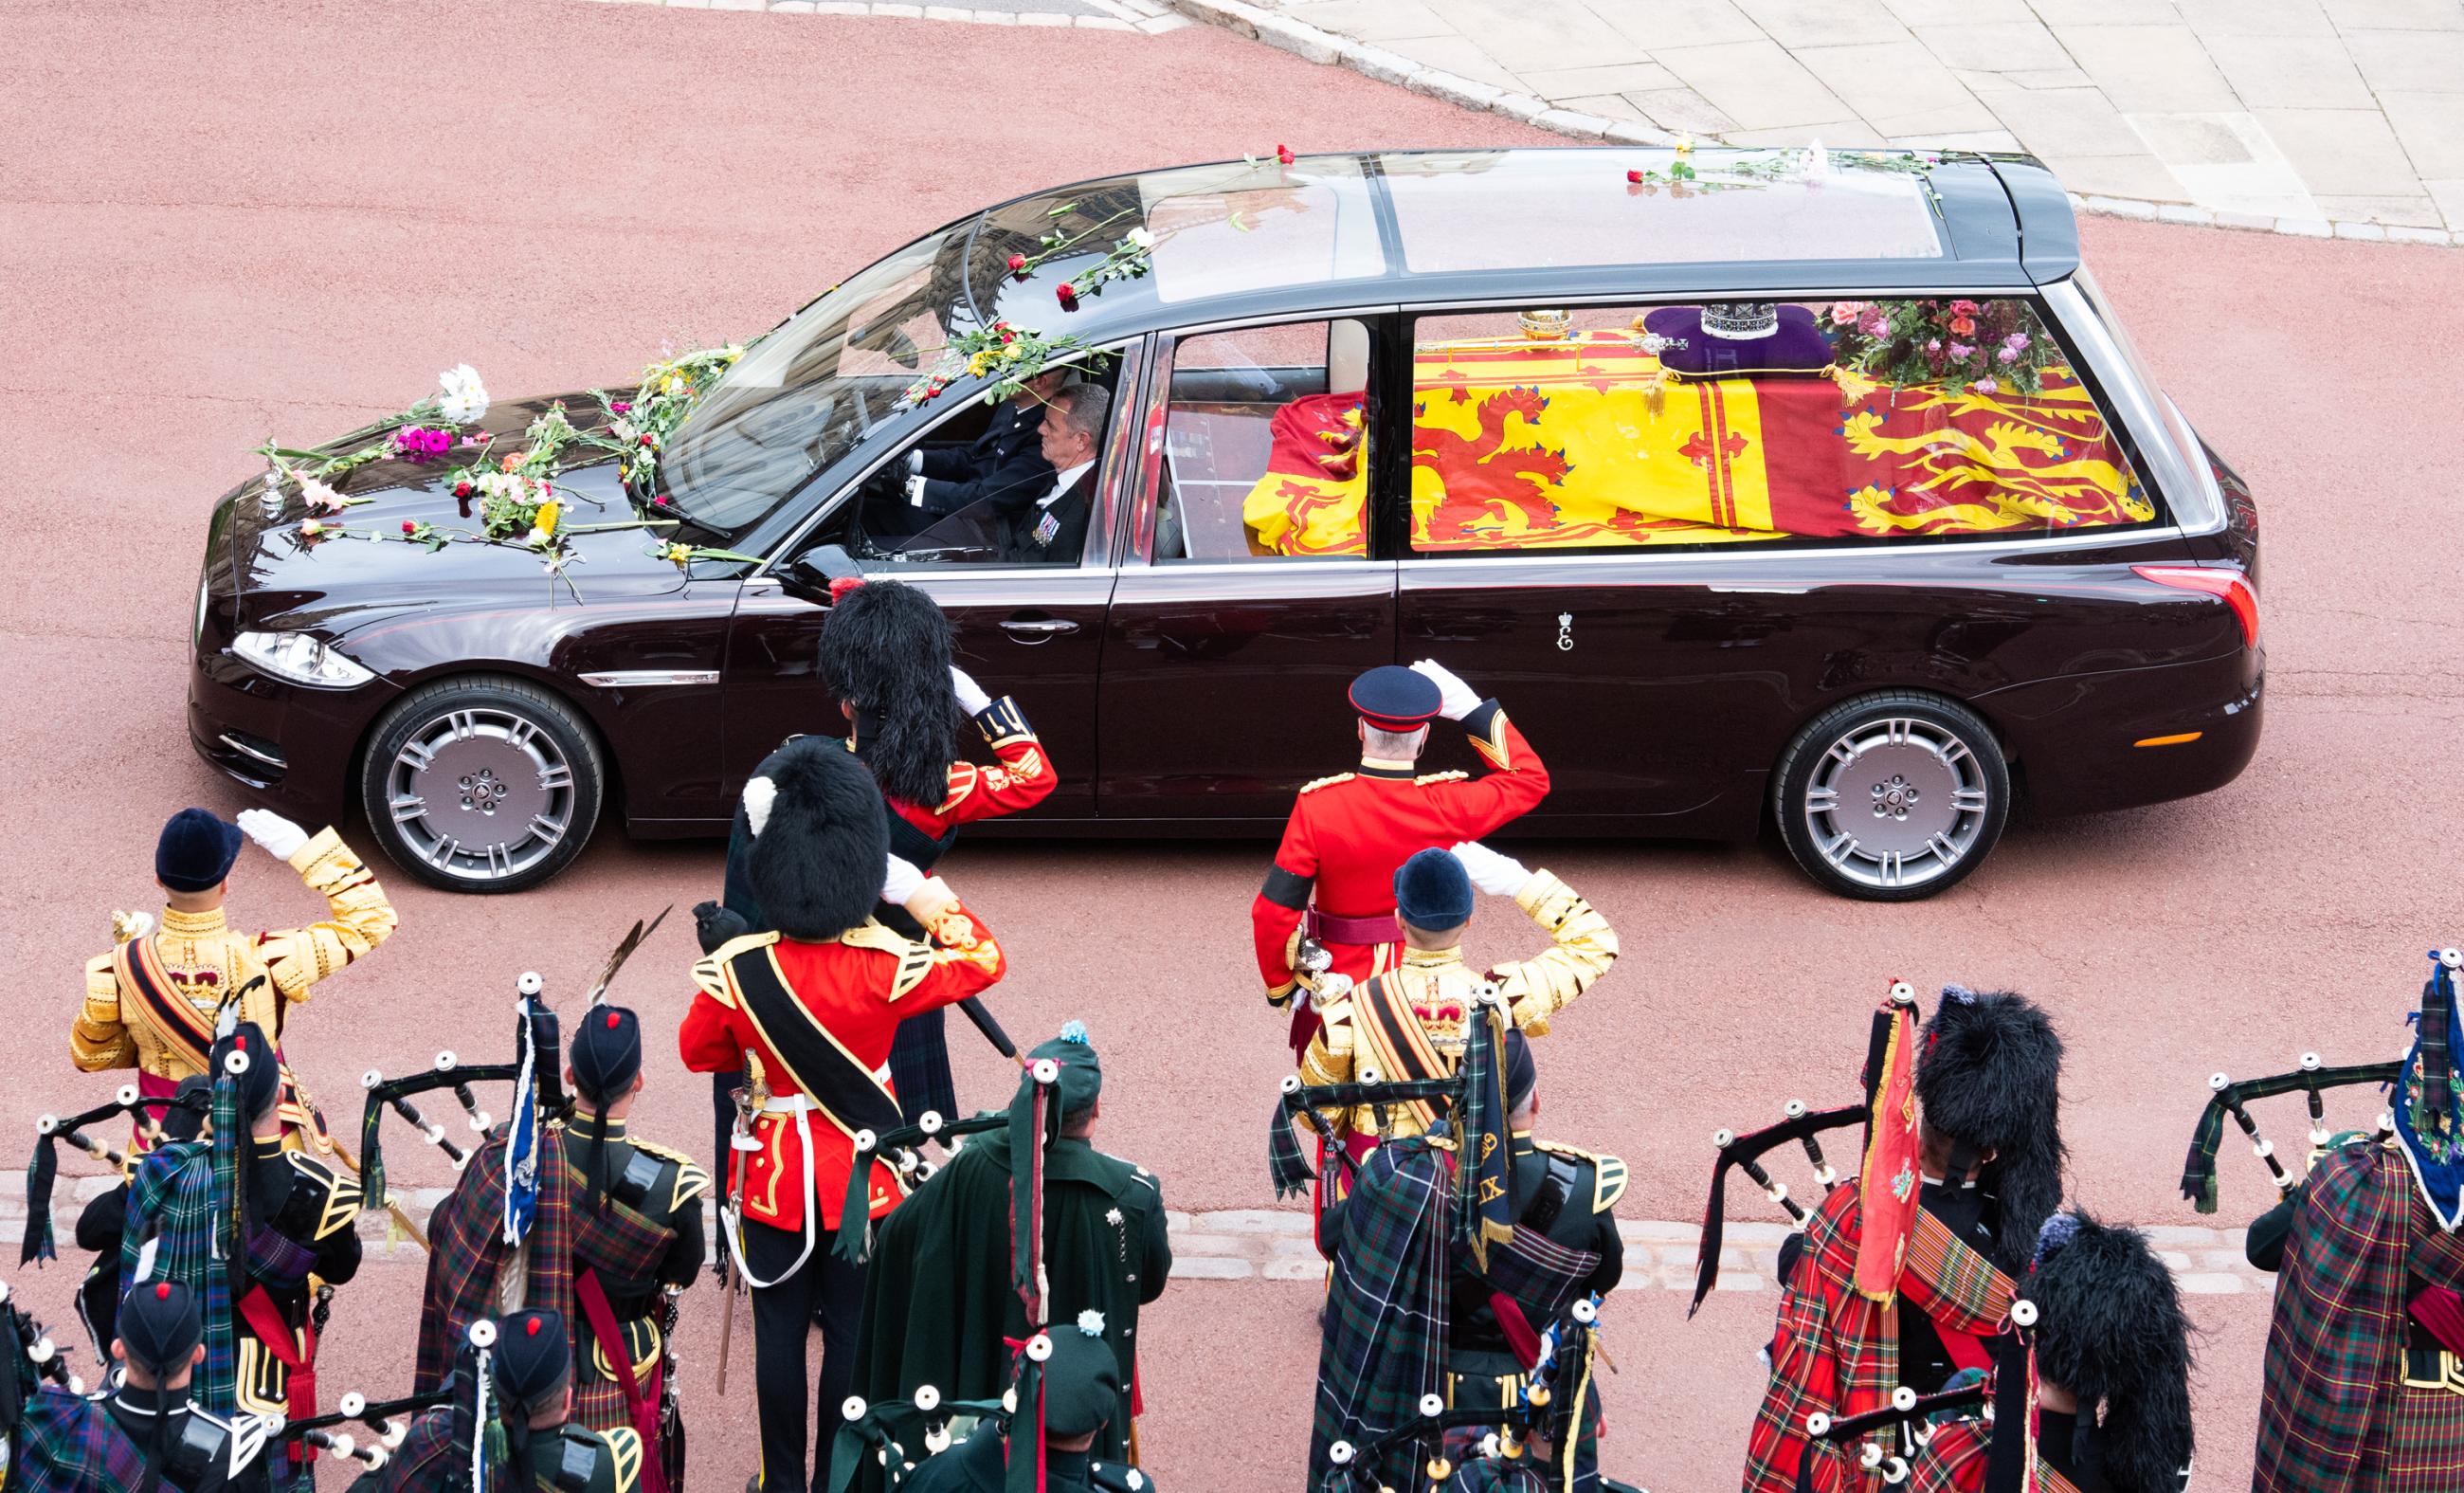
(1986, 386)
(2007, 355)
(1873, 323)
(1934, 345)
(1961, 351)
(2017, 342)
(621, 407)
(1843, 312)
(663, 501)
(1963, 308)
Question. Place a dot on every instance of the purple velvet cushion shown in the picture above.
(1797, 346)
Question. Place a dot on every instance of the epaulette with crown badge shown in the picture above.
(691, 1180)
(1328, 782)
(341, 1195)
(1440, 777)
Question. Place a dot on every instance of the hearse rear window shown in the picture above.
(1226, 230)
(1522, 210)
(1754, 423)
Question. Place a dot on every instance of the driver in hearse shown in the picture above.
(1004, 467)
(1053, 528)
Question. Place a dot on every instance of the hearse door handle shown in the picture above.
(1032, 630)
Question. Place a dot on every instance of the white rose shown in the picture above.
(1142, 237)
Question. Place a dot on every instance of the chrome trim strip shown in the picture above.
(645, 678)
(246, 750)
(1732, 554)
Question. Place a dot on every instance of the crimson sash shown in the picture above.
(140, 969)
(640, 1403)
(299, 1387)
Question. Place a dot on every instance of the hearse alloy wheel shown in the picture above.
(1893, 797)
(482, 785)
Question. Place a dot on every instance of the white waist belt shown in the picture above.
(789, 1105)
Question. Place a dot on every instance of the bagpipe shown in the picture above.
(535, 1072)
(1885, 1054)
(886, 1433)
(388, 1419)
(42, 1170)
(1514, 1438)
(1908, 1418)
(34, 1359)
(2227, 1097)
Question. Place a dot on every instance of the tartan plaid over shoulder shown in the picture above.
(1837, 1352)
(68, 1443)
(1384, 1326)
(466, 1249)
(2335, 1349)
(172, 1206)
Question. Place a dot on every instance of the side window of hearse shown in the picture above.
(1746, 422)
(1266, 446)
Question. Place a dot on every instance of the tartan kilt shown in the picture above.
(2421, 1450)
(467, 1247)
(623, 1246)
(919, 1067)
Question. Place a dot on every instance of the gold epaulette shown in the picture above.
(692, 1181)
(625, 1450)
(343, 1195)
(709, 974)
(915, 959)
(1328, 782)
(1440, 777)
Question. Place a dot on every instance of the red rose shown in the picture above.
(461, 489)
(1284, 154)
(1017, 264)
(1634, 178)
(646, 437)
(408, 528)
(1067, 295)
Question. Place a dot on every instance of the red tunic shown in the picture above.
(856, 987)
(1350, 833)
(1024, 779)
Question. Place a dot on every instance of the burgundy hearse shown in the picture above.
(1763, 486)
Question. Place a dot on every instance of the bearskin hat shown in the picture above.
(2110, 1328)
(820, 839)
(1988, 1073)
(885, 655)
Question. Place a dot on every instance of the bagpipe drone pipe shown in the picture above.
(389, 1421)
(2227, 1097)
(42, 1169)
(536, 1073)
(1804, 1128)
(33, 1359)
(1886, 1439)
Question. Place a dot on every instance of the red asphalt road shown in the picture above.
(218, 223)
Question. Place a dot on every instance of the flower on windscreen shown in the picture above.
(1067, 295)
(1283, 155)
(1142, 237)
(461, 398)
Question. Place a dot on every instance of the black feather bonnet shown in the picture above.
(2110, 1328)
(820, 839)
(1990, 1073)
(885, 655)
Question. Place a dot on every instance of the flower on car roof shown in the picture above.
(461, 397)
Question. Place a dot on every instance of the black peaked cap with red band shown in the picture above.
(1392, 698)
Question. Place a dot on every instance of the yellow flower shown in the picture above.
(977, 363)
(1013, 352)
(680, 553)
(546, 519)
(1684, 145)
(672, 384)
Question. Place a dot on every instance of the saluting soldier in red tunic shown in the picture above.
(816, 1003)
(1334, 876)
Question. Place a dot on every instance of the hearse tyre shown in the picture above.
(1892, 796)
(483, 783)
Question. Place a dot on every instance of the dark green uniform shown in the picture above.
(976, 1465)
(1567, 1195)
(666, 1188)
(938, 1303)
(565, 1460)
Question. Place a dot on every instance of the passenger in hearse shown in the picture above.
(1004, 467)
(1051, 528)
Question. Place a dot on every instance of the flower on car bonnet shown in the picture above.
(462, 398)
(1142, 237)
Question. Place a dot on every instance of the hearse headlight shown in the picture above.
(300, 658)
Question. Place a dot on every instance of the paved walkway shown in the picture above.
(2304, 114)
(1151, 16)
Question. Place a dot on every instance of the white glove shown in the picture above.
(916, 462)
(1455, 698)
(274, 835)
(915, 492)
(972, 698)
(1499, 876)
(900, 882)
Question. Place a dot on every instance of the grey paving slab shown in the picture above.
(1756, 83)
(2299, 114)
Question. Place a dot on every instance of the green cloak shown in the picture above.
(937, 1304)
